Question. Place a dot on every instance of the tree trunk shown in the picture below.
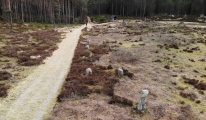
(136, 11)
(73, 15)
(10, 15)
(116, 8)
(123, 8)
(120, 11)
(69, 8)
(202, 7)
(16, 10)
(140, 8)
(145, 4)
(22, 11)
(11, 22)
(99, 8)
(63, 12)
(56, 8)
(112, 8)
(29, 13)
(1, 11)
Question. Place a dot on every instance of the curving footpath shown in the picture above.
(35, 97)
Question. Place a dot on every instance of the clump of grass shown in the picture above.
(3, 90)
(130, 55)
(4, 75)
(99, 50)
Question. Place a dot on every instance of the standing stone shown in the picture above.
(142, 102)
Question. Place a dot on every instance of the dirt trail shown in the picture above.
(34, 97)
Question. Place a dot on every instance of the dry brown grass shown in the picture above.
(130, 55)
(78, 84)
(22, 47)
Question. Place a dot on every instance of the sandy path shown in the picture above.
(35, 97)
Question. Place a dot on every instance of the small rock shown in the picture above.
(35, 57)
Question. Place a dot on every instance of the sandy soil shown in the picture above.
(34, 97)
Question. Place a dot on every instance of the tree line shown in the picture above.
(142, 8)
(70, 11)
(48, 11)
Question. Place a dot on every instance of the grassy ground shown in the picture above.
(167, 58)
(23, 49)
